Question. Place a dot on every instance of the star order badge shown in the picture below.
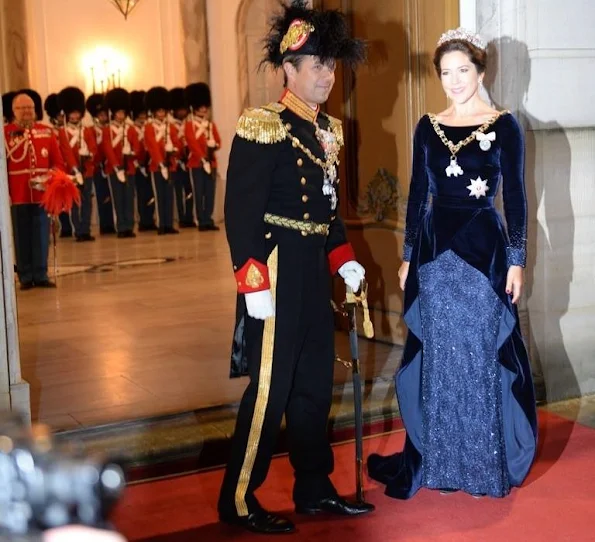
(478, 188)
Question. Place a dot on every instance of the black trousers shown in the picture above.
(204, 195)
(164, 193)
(123, 198)
(291, 360)
(31, 230)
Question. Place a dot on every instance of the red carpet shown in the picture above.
(557, 502)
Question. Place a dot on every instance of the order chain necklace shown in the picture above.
(454, 168)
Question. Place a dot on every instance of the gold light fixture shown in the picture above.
(125, 7)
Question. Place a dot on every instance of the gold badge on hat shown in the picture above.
(297, 34)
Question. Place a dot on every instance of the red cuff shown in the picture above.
(340, 255)
(252, 277)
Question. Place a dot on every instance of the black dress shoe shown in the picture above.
(45, 284)
(171, 230)
(212, 227)
(186, 224)
(121, 234)
(144, 227)
(262, 522)
(335, 505)
(129, 233)
(26, 285)
(107, 231)
(65, 234)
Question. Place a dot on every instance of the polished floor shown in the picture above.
(138, 328)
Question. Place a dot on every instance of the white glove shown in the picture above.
(211, 143)
(260, 304)
(143, 171)
(78, 177)
(169, 147)
(121, 174)
(206, 166)
(164, 172)
(353, 274)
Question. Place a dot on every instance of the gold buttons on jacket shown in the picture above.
(303, 181)
(300, 162)
(304, 233)
(306, 216)
(304, 198)
(268, 235)
(288, 126)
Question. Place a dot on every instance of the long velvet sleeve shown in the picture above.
(418, 189)
(512, 165)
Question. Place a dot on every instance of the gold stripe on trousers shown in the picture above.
(262, 396)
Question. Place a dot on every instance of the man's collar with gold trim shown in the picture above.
(298, 106)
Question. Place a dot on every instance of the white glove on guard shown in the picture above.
(353, 274)
(121, 174)
(260, 304)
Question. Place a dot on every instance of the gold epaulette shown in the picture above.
(262, 124)
(337, 129)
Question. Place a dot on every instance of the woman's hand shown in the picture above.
(403, 272)
(514, 282)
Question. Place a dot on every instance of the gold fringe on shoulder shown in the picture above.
(337, 129)
(262, 124)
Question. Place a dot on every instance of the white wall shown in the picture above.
(62, 34)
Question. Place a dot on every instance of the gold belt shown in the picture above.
(306, 227)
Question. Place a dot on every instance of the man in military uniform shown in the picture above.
(145, 199)
(163, 146)
(119, 158)
(180, 173)
(79, 147)
(97, 109)
(286, 240)
(56, 118)
(203, 140)
(31, 151)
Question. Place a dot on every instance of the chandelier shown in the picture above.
(125, 7)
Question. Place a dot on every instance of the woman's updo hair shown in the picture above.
(477, 56)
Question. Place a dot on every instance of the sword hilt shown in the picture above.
(352, 297)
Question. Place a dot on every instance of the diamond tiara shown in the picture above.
(462, 34)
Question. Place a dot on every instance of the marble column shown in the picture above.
(196, 45)
(14, 65)
(541, 56)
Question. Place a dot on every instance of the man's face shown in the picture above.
(102, 117)
(74, 117)
(141, 118)
(312, 81)
(181, 113)
(23, 109)
(202, 111)
(120, 116)
(160, 114)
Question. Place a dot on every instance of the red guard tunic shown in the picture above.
(79, 148)
(198, 132)
(30, 152)
(163, 145)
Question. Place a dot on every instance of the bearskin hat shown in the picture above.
(198, 95)
(7, 106)
(71, 99)
(51, 106)
(298, 30)
(117, 99)
(177, 99)
(137, 103)
(157, 98)
(95, 104)
(36, 100)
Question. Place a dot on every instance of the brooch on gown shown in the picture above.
(478, 188)
(485, 140)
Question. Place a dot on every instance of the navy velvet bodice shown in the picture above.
(502, 163)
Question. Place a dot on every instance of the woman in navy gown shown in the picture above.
(464, 386)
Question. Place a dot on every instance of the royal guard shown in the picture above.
(56, 119)
(287, 239)
(105, 211)
(162, 145)
(181, 174)
(119, 160)
(79, 149)
(7, 107)
(202, 138)
(145, 199)
(32, 152)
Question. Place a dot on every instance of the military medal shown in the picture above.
(485, 140)
(478, 188)
(454, 168)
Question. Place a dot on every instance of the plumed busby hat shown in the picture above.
(137, 103)
(51, 106)
(7, 105)
(298, 30)
(36, 100)
(71, 99)
(198, 95)
(157, 98)
(95, 104)
(117, 99)
(177, 99)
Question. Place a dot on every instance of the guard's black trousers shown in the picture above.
(291, 360)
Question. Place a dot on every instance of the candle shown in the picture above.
(118, 76)
(102, 86)
(93, 78)
(113, 80)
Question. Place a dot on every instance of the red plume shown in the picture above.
(60, 194)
